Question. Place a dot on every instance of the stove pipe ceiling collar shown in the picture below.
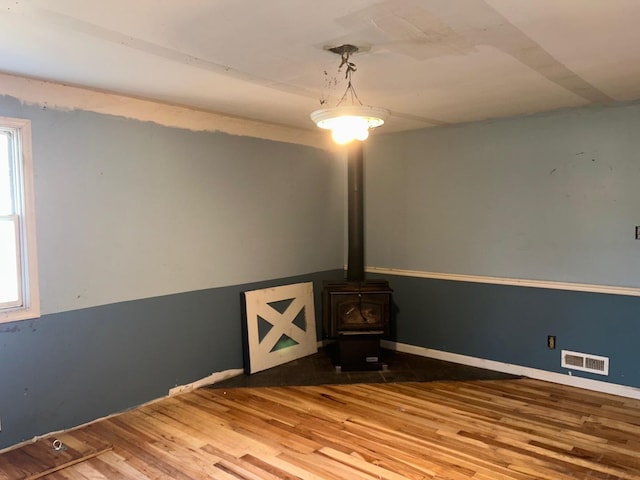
(349, 122)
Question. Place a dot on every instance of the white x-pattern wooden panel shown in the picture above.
(280, 323)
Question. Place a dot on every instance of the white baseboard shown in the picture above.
(568, 379)
(210, 380)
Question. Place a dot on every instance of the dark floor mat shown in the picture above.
(318, 369)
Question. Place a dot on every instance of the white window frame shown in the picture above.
(29, 304)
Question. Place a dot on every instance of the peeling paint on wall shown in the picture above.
(65, 97)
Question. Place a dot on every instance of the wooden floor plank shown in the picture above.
(517, 429)
(34, 460)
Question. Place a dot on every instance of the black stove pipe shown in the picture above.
(355, 197)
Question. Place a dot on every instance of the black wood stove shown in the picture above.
(356, 311)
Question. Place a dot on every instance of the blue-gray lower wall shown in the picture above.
(68, 368)
(510, 324)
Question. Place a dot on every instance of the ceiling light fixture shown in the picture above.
(349, 122)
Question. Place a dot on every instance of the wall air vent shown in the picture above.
(585, 362)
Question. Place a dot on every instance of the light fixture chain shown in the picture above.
(351, 67)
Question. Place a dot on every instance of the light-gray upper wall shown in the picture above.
(128, 209)
(548, 197)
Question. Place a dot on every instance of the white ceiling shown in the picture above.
(431, 62)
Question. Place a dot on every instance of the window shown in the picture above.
(19, 298)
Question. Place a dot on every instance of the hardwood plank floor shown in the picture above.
(485, 430)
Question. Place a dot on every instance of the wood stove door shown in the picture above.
(360, 313)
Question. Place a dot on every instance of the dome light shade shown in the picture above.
(348, 123)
